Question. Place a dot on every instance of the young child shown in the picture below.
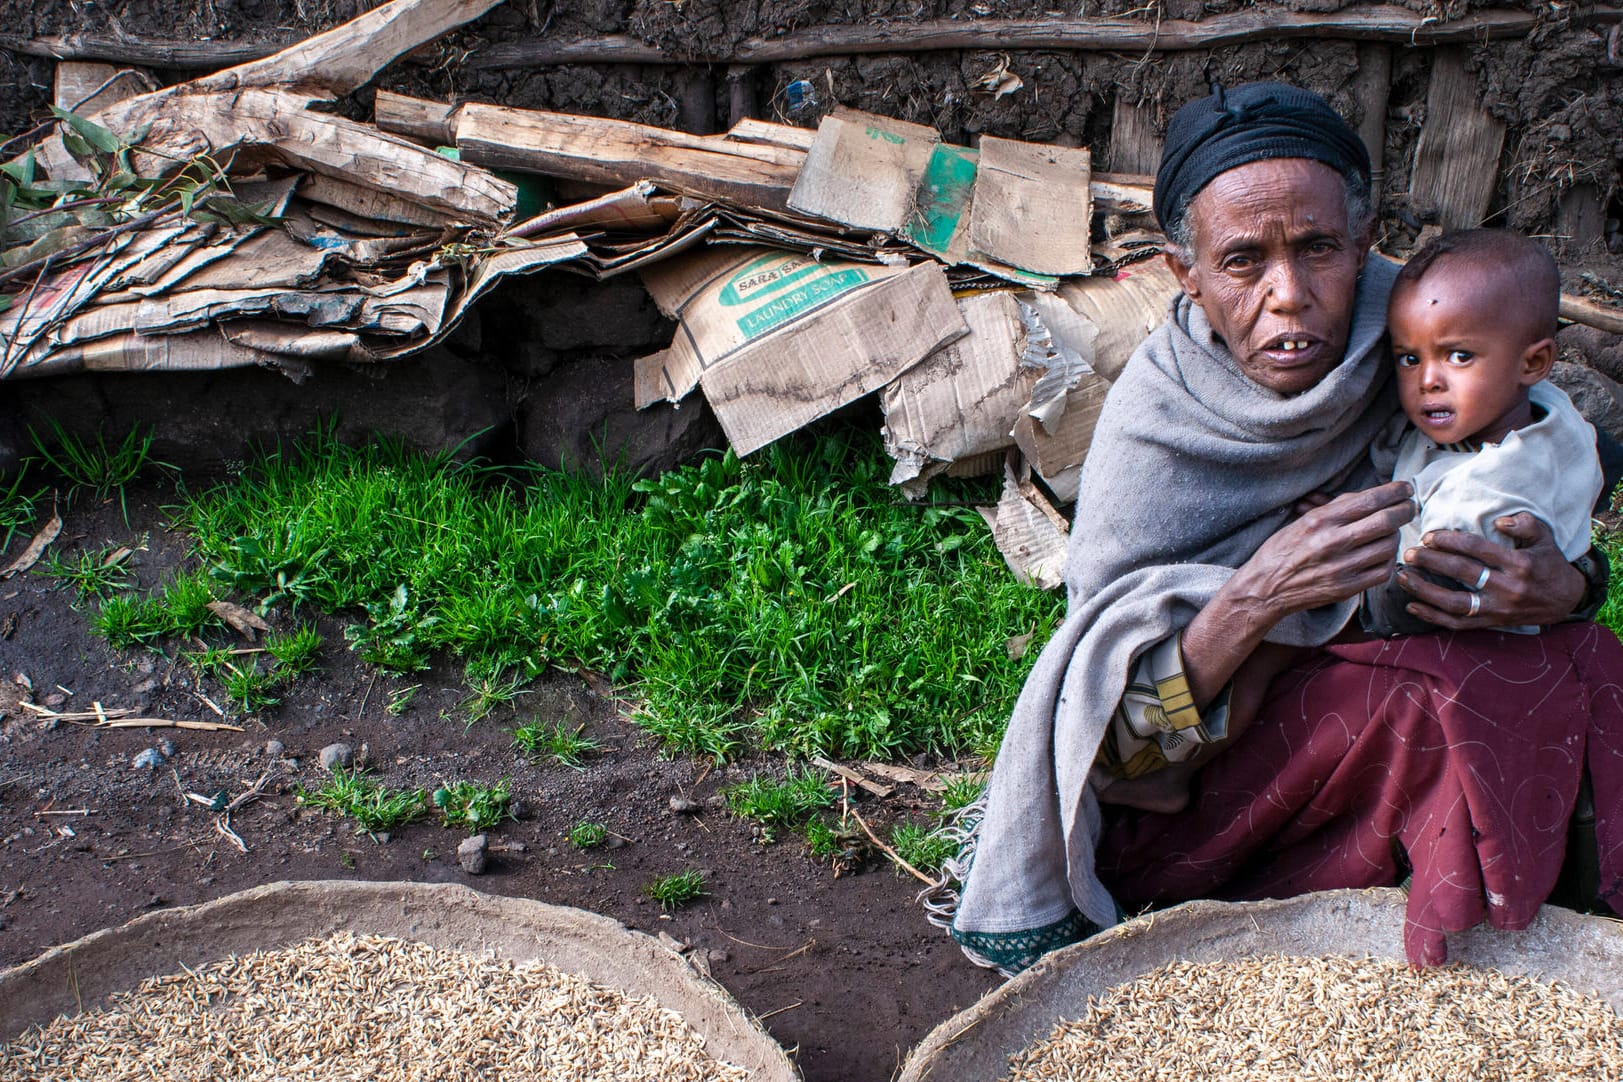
(1472, 319)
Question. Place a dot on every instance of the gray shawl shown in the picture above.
(1192, 467)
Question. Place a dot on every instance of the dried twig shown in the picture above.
(892, 854)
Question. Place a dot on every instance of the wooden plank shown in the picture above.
(87, 88)
(1456, 165)
(1580, 220)
(430, 121)
(1135, 138)
(751, 130)
(618, 153)
(1581, 310)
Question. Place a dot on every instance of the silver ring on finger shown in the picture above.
(1482, 580)
(1476, 605)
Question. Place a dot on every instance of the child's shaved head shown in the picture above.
(1507, 263)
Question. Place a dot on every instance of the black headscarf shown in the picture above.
(1251, 123)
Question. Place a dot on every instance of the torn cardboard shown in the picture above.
(776, 340)
(1030, 534)
(961, 402)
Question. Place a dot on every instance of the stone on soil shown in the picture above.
(150, 759)
(334, 756)
(473, 854)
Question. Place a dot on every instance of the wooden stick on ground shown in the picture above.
(891, 853)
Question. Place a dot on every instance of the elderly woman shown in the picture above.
(1229, 500)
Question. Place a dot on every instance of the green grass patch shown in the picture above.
(791, 602)
(95, 464)
(585, 835)
(93, 574)
(356, 795)
(922, 847)
(557, 742)
(249, 686)
(472, 805)
(130, 620)
(779, 805)
(296, 652)
(676, 889)
(19, 505)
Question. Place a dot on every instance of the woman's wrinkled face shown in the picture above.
(1275, 269)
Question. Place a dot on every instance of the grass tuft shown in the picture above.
(585, 835)
(296, 652)
(779, 805)
(921, 847)
(94, 574)
(677, 889)
(472, 805)
(557, 742)
(19, 505)
(95, 465)
(373, 807)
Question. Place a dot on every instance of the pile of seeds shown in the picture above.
(1311, 1019)
(371, 1007)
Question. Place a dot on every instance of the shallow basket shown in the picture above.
(446, 915)
(1584, 953)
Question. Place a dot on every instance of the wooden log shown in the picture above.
(88, 88)
(1135, 139)
(429, 121)
(1581, 310)
(1372, 86)
(346, 57)
(1457, 159)
(1388, 23)
(742, 100)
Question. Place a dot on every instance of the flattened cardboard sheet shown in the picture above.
(1032, 206)
(862, 170)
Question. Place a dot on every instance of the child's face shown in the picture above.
(1465, 360)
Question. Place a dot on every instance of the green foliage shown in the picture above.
(489, 687)
(400, 701)
(779, 804)
(373, 807)
(823, 838)
(556, 741)
(19, 505)
(676, 889)
(249, 686)
(128, 621)
(186, 598)
(925, 849)
(585, 835)
(791, 602)
(961, 790)
(473, 805)
(94, 574)
(101, 468)
(295, 652)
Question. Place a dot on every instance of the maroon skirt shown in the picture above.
(1455, 755)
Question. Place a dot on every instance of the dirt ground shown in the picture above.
(844, 971)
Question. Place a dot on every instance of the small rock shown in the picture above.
(771, 901)
(681, 805)
(55, 699)
(145, 666)
(516, 808)
(613, 842)
(472, 854)
(150, 759)
(146, 687)
(672, 943)
(717, 957)
(716, 801)
(334, 756)
(273, 748)
(167, 747)
(383, 837)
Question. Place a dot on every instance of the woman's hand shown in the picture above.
(1333, 552)
(1530, 584)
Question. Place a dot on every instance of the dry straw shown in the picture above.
(367, 1007)
(1309, 1019)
